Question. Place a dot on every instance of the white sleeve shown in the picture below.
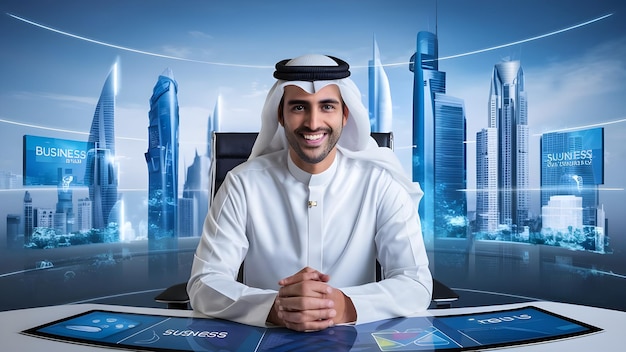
(407, 287)
(213, 288)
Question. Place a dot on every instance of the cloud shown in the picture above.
(177, 51)
(200, 35)
(581, 91)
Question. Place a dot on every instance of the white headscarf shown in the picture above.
(355, 141)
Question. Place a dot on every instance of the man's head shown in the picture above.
(313, 123)
(312, 117)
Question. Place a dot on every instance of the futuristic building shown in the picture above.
(162, 161)
(195, 197)
(438, 145)
(508, 115)
(101, 170)
(29, 217)
(213, 124)
(380, 107)
(487, 215)
(65, 222)
(196, 188)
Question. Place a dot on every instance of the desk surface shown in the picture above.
(611, 339)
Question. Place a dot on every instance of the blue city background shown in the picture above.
(512, 126)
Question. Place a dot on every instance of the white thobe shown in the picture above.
(281, 219)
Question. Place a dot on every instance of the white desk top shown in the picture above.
(611, 339)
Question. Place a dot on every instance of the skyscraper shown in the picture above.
(213, 122)
(187, 215)
(439, 144)
(380, 107)
(29, 220)
(64, 202)
(162, 160)
(487, 180)
(196, 187)
(195, 191)
(509, 115)
(101, 170)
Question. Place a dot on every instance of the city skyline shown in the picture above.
(463, 83)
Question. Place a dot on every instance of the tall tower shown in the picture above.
(195, 191)
(101, 170)
(162, 160)
(214, 121)
(508, 113)
(64, 202)
(487, 180)
(196, 187)
(29, 221)
(380, 107)
(438, 140)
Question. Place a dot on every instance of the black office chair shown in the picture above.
(230, 149)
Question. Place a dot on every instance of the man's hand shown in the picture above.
(305, 302)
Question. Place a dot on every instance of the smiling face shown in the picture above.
(313, 125)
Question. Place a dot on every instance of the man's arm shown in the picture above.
(213, 289)
(407, 285)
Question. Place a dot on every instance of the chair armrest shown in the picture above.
(174, 296)
(443, 296)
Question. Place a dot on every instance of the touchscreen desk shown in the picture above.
(610, 321)
(465, 332)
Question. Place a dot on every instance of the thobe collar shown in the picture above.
(313, 179)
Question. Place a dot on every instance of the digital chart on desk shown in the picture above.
(465, 332)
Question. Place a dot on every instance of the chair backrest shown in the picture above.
(230, 149)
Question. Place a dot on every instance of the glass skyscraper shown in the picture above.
(196, 187)
(438, 145)
(65, 201)
(487, 218)
(195, 197)
(29, 217)
(380, 107)
(213, 124)
(508, 114)
(162, 160)
(101, 170)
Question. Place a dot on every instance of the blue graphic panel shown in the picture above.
(53, 161)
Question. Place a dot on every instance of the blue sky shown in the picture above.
(573, 79)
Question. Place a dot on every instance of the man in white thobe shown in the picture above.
(310, 212)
